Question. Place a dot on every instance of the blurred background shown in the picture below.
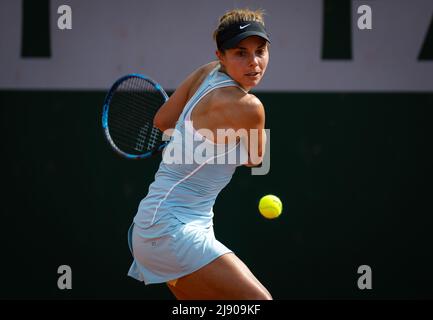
(350, 114)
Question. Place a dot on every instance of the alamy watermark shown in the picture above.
(65, 280)
(227, 146)
(365, 281)
(65, 20)
(365, 20)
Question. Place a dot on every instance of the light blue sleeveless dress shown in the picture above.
(172, 232)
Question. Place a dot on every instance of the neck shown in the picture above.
(222, 69)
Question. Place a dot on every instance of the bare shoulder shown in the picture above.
(244, 109)
(197, 76)
(209, 66)
(253, 110)
(251, 104)
(203, 70)
(242, 100)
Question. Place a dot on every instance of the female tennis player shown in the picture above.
(172, 238)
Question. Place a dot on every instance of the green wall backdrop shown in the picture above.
(354, 172)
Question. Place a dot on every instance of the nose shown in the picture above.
(254, 60)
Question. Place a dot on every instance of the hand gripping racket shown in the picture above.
(127, 116)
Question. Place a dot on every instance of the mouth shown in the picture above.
(252, 74)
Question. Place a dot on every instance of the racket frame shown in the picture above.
(106, 108)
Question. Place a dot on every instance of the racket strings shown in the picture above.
(123, 140)
(132, 109)
(126, 112)
(120, 115)
(134, 137)
(140, 91)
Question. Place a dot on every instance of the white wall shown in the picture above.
(167, 39)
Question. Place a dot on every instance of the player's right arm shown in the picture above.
(170, 111)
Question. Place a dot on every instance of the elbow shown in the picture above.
(252, 165)
(254, 160)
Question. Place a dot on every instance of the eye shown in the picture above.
(241, 53)
(261, 52)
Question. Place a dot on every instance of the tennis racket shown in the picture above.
(127, 116)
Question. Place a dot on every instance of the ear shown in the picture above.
(220, 56)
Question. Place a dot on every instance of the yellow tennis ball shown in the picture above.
(270, 206)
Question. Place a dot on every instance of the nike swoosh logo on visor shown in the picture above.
(243, 27)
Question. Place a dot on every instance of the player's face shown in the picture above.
(247, 62)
